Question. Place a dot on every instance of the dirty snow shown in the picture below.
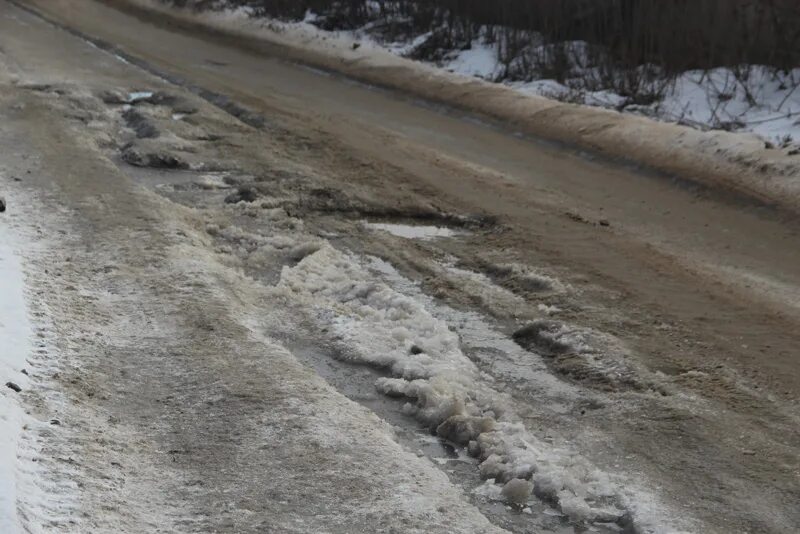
(370, 322)
(480, 61)
(15, 332)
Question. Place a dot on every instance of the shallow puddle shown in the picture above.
(413, 232)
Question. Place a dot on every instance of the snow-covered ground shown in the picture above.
(750, 99)
(766, 104)
(15, 332)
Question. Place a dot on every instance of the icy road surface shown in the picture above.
(262, 299)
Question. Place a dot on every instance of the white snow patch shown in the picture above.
(479, 60)
(756, 100)
(15, 340)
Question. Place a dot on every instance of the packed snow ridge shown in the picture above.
(371, 323)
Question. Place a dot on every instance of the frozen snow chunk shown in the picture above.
(546, 486)
(394, 387)
(489, 490)
(462, 429)
(435, 403)
(299, 252)
(494, 467)
(517, 490)
(575, 507)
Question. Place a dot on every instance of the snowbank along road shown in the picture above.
(242, 295)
